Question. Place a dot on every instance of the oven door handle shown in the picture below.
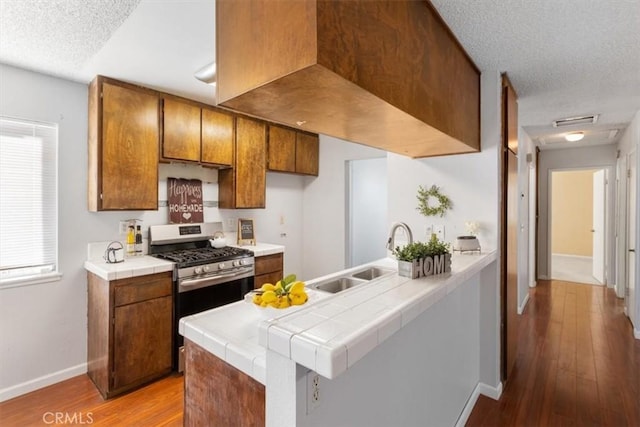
(194, 282)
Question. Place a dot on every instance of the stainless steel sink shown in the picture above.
(371, 273)
(336, 285)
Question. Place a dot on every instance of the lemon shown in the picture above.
(284, 302)
(267, 287)
(298, 298)
(269, 296)
(296, 287)
(257, 299)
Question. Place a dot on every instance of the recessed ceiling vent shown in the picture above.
(571, 121)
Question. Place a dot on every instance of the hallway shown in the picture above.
(578, 363)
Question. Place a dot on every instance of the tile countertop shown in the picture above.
(131, 267)
(262, 249)
(332, 331)
(143, 265)
(230, 333)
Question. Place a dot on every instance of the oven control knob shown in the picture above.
(241, 262)
(220, 266)
(197, 270)
(206, 268)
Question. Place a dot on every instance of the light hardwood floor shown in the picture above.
(158, 404)
(578, 364)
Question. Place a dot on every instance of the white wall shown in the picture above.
(423, 375)
(324, 207)
(603, 156)
(629, 142)
(43, 328)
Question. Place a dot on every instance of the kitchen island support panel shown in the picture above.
(218, 394)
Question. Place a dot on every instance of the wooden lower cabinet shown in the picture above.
(217, 394)
(268, 269)
(129, 331)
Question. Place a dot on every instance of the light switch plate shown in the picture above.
(439, 230)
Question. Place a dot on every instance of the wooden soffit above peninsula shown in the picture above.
(387, 74)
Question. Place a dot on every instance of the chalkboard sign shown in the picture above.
(184, 197)
(246, 234)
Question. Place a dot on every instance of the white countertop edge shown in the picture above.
(332, 359)
(131, 267)
(263, 249)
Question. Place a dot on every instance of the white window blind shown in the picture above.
(28, 200)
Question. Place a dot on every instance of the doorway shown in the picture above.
(578, 225)
(366, 221)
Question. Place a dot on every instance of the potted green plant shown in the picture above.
(420, 259)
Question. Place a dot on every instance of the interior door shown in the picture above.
(509, 230)
(630, 299)
(597, 228)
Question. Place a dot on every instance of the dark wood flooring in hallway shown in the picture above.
(578, 363)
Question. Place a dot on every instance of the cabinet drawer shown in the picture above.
(136, 289)
(268, 264)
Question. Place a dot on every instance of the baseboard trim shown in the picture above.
(481, 388)
(573, 256)
(44, 381)
(636, 333)
(543, 277)
(522, 306)
(533, 284)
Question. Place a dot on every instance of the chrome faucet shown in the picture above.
(392, 234)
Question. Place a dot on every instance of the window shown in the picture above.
(28, 202)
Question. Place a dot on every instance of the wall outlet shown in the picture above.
(313, 391)
(230, 224)
(439, 230)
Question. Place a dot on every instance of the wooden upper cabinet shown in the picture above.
(244, 186)
(218, 135)
(181, 140)
(282, 149)
(124, 135)
(307, 153)
(405, 86)
(292, 151)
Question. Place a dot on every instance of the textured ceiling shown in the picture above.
(564, 57)
(58, 36)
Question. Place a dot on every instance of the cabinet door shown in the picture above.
(129, 149)
(307, 153)
(181, 140)
(282, 149)
(251, 163)
(218, 132)
(141, 341)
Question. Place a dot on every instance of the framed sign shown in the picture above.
(246, 235)
(184, 198)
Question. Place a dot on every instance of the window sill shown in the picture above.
(30, 280)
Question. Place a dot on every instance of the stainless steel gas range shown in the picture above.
(203, 277)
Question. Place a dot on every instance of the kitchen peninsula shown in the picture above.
(393, 351)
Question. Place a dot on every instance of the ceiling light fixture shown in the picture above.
(574, 136)
(207, 74)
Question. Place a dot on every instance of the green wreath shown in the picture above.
(444, 204)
